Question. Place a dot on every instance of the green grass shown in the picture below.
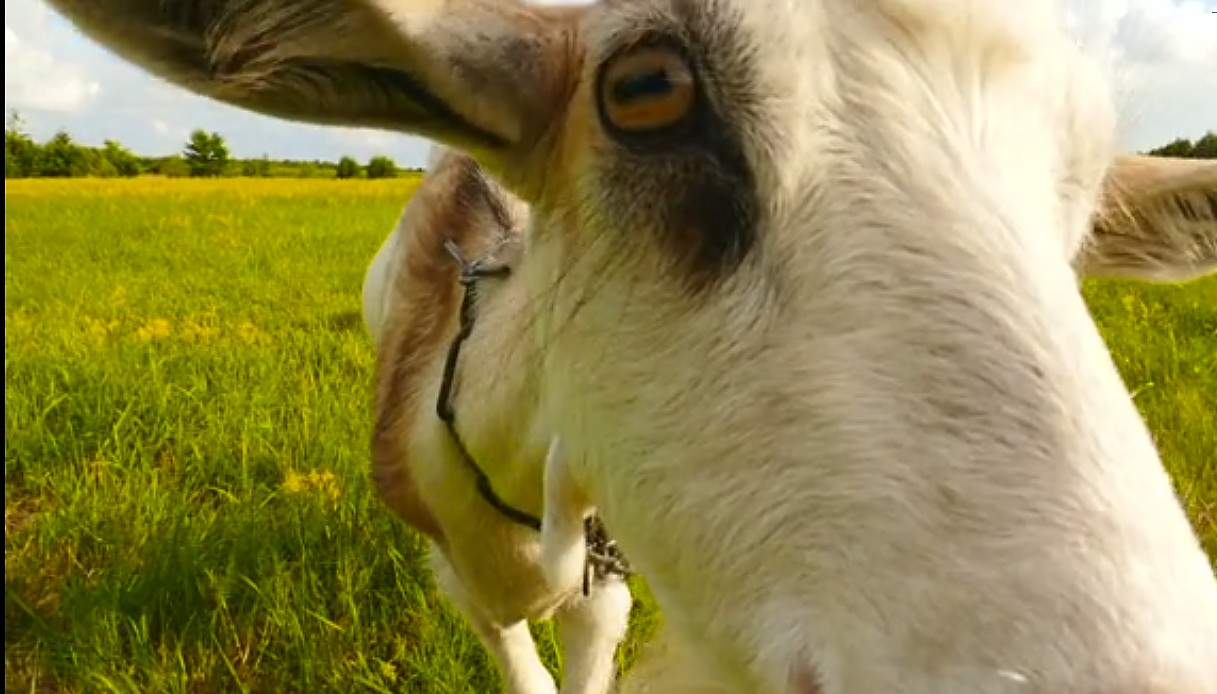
(187, 391)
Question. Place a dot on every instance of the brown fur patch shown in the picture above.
(1156, 212)
(454, 202)
(804, 680)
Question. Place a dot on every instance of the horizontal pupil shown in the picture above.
(642, 86)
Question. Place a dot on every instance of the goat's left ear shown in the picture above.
(1156, 221)
(487, 76)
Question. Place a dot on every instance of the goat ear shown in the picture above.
(1157, 221)
(488, 76)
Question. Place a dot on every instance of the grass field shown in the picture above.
(187, 418)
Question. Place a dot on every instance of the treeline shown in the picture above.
(204, 155)
(1204, 148)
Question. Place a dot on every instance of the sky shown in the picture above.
(1164, 55)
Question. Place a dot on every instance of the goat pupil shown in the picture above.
(642, 86)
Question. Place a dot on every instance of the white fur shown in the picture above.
(377, 299)
(563, 544)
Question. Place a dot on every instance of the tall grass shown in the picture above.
(187, 390)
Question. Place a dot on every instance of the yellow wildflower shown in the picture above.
(195, 331)
(157, 329)
(388, 670)
(294, 482)
(251, 334)
(322, 482)
(99, 329)
(325, 482)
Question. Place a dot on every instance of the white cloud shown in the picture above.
(364, 138)
(1147, 33)
(34, 79)
(1163, 55)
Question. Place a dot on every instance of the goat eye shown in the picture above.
(647, 89)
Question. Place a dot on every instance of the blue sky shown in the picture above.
(1164, 53)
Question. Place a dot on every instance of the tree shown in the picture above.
(381, 167)
(124, 162)
(347, 168)
(1181, 147)
(173, 167)
(22, 156)
(1206, 147)
(256, 168)
(14, 123)
(63, 158)
(206, 154)
(97, 164)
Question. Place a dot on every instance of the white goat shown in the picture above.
(797, 293)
